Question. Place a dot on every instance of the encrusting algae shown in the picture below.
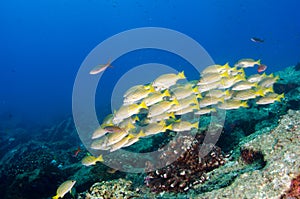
(147, 109)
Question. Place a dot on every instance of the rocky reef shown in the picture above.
(257, 156)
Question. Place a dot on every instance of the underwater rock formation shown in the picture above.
(115, 189)
(188, 170)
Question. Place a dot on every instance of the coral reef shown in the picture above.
(115, 189)
(280, 149)
(294, 191)
(188, 170)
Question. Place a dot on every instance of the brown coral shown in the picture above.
(188, 170)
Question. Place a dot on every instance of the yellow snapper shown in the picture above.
(156, 97)
(100, 144)
(228, 82)
(212, 77)
(247, 94)
(184, 103)
(180, 93)
(268, 81)
(204, 111)
(155, 128)
(91, 160)
(127, 111)
(99, 132)
(232, 104)
(243, 85)
(161, 107)
(256, 77)
(208, 87)
(167, 80)
(64, 188)
(116, 137)
(188, 109)
(268, 90)
(137, 95)
(162, 116)
(135, 88)
(216, 69)
(217, 93)
(245, 63)
(207, 101)
(184, 126)
(270, 98)
(134, 139)
(121, 143)
(234, 71)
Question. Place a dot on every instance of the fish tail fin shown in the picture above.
(167, 93)
(226, 65)
(270, 89)
(55, 197)
(130, 136)
(221, 100)
(143, 105)
(169, 127)
(141, 134)
(195, 90)
(151, 88)
(195, 125)
(181, 75)
(175, 101)
(258, 62)
(244, 104)
(277, 77)
(279, 97)
(130, 126)
(172, 115)
(260, 92)
(99, 158)
(226, 93)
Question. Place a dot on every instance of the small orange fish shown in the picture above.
(99, 68)
(76, 152)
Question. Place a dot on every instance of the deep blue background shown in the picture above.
(43, 43)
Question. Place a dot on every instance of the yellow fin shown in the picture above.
(226, 66)
(244, 104)
(181, 75)
(172, 115)
(55, 197)
(260, 92)
(141, 134)
(195, 90)
(258, 62)
(130, 136)
(151, 89)
(143, 105)
(279, 97)
(195, 125)
(99, 158)
(175, 101)
(129, 126)
(167, 93)
(169, 127)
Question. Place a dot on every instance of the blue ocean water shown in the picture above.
(43, 44)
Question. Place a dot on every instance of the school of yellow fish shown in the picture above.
(159, 106)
